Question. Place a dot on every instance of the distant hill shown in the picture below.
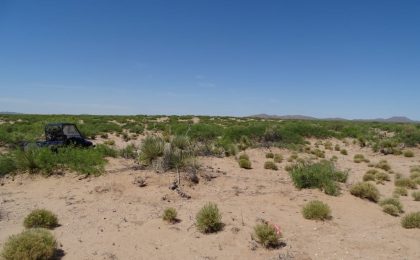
(8, 113)
(394, 119)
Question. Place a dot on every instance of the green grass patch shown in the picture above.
(322, 175)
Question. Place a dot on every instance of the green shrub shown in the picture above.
(316, 210)
(383, 164)
(7, 165)
(169, 215)
(392, 201)
(31, 244)
(408, 153)
(41, 218)
(150, 149)
(322, 175)
(365, 190)
(278, 158)
(245, 164)
(343, 152)
(269, 155)
(416, 195)
(266, 235)
(391, 210)
(405, 182)
(209, 219)
(381, 177)
(411, 220)
(400, 191)
(270, 165)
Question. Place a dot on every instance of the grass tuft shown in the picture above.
(41, 218)
(266, 235)
(170, 215)
(316, 210)
(411, 220)
(209, 219)
(270, 165)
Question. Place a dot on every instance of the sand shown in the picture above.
(108, 217)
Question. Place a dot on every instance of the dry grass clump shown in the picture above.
(408, 153)
(343, 152)
(269, 155)
(209, 219)
(266, 235)
(278, 158)
(170, 215)
(416, 195)
(411, 220)
(392, 206)
(270, 165)
(400, 191)
(31, 244)
(41, 218)
(337, 147)
(316, 210)
(365, 190)
(358, 158)
(383, 164)
(318, 153)
(406, 183)
(415, 174)
(292, 157)
(375, 175)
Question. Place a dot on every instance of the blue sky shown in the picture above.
(352, 59)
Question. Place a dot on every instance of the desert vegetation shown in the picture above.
(222, 159)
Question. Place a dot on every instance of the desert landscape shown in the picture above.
(250, 168)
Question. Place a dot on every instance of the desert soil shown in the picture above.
(109, 217)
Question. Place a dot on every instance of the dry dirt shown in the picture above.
(108, 217)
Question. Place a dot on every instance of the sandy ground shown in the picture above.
(108, 217)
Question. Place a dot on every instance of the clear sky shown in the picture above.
(352, 59)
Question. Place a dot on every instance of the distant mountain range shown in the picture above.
(8, 113)
(394, 119)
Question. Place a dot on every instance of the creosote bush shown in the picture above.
(31, 244)
(365, 190)
(392, 206)
(41, 218)
(322, 175)
(411, 220)
(209, 219)
(169, 215)
(270, 165)
(316, 210)
(266, 235)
